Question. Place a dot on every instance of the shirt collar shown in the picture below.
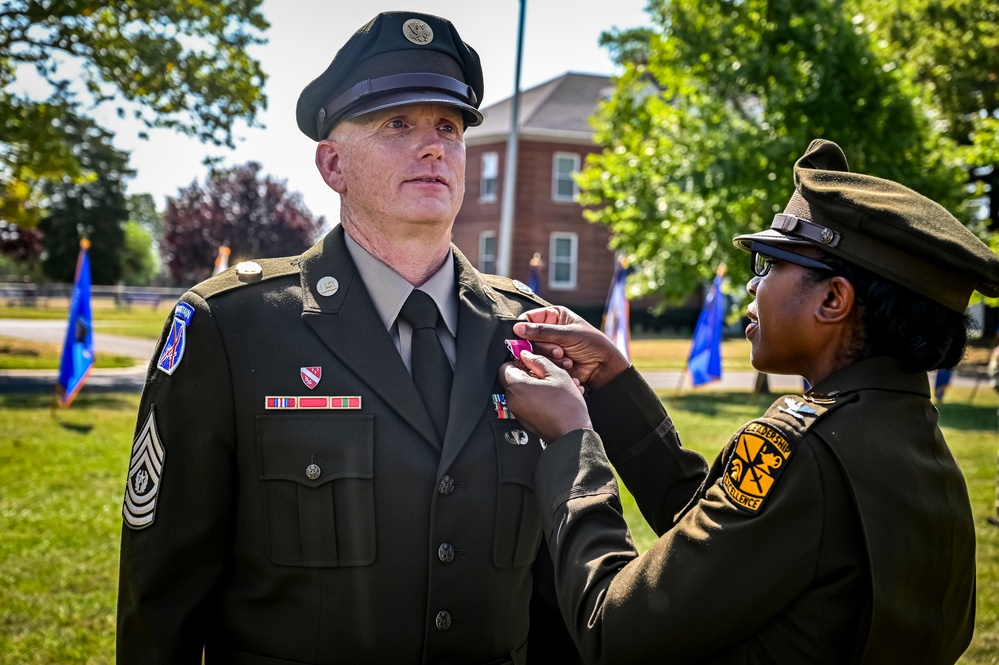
(389, 290)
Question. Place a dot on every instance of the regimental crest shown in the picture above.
(311, 376)
(176, 342)
(145, 471)
(760, 456)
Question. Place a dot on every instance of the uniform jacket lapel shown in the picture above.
(349, 325)
(483, 324)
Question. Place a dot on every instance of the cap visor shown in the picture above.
(769, 237)
(472, 116)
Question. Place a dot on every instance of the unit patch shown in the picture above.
(289, 402)
(173, 348)
(145, 471)
(758, 460)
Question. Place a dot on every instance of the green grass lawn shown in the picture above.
(138, 321)
(26, 354)
(62, 478)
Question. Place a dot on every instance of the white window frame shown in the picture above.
(485, 257)
(556, 259)
(490, 174)
(556, 179)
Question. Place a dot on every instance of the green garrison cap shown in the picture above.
(883, 227)
(397, 58)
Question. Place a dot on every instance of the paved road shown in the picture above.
(128, 379)
(131, 379)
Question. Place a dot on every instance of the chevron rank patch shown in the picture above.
(145, 470)
(759, 459)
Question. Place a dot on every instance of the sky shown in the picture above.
(559, 36)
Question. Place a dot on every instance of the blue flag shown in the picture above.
(617, 320)
(705, 361)
(78, 349)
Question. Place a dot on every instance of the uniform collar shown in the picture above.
(877, 373)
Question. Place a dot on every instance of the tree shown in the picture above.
(252, 215)
(138, 265)
(181, 65)
(94, 209)
(702, 133)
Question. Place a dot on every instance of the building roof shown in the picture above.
(558, 109)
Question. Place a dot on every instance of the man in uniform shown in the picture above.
(836, 528)
(323, 469)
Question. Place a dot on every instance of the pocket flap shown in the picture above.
(315, 449)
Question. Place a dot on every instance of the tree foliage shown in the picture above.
(94, 209)
(176, 64)
(702, 133)
(138, 264)
(254, 216)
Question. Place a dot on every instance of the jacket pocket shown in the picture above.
(317, 474)
(518, 523)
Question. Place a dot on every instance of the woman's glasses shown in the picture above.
(763, 256)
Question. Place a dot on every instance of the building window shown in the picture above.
(562, 266)
(564, 187)
(490, 176)
(487, 252)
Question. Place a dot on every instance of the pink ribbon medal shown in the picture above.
(515, 346)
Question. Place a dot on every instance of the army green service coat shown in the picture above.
(330, 535)
(834, 529)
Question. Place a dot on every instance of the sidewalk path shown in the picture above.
(131, 379)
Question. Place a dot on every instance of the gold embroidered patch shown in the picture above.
(757, 462)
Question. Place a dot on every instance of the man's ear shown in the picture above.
(329, 163)
(839, 301)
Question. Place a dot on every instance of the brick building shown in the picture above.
(553, 140)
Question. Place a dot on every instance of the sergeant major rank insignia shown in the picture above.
(145, 469)
(173, 348)
(758, 460)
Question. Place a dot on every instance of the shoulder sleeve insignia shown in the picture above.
(173, 347)
(145, 470)
(760, 455)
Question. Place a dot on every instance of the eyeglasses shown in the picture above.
(762, 257)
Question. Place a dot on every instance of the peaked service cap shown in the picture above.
(882, 226)
(397, 58)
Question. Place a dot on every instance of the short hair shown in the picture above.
(920, 333)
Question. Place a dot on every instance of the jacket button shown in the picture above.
(446, 486)
(312, 471)
(443, 620)
(446, 552)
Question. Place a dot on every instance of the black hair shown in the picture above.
(920, 333)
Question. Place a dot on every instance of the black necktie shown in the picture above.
(431, 369)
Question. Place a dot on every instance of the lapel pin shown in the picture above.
(327, 286)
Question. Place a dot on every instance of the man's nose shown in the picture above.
(753, 283)
(431, 143)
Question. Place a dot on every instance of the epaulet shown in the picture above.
(247, 273)
(764, 448)
(513, 287)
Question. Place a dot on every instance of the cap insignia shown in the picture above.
(417, 31)
(827, 236)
